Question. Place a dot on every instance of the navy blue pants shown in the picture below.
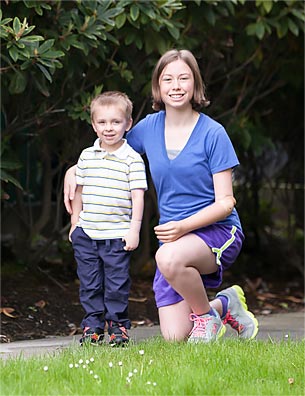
(103, 271)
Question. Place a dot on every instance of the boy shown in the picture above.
(106, 220)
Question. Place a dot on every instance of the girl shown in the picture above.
(191, 159)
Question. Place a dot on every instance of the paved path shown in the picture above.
(275, 327)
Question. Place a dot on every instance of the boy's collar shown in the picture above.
(121, 152)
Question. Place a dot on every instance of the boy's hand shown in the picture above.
(131, 239)
(72, 228)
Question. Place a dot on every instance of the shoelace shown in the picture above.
(233, 322)
(200, 324)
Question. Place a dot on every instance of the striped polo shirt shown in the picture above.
(107, 180)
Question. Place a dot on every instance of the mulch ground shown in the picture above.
(37, 306)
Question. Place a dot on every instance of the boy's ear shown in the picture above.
(93, 126)
(129, 124)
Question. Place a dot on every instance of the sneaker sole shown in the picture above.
(118, 344)
(87, 343)
(241, 296)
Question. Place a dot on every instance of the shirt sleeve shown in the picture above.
(137, 174)
(80, 172)
(221, 152)
(135, 137)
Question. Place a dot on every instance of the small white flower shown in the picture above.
(71, 365)
(80, 361)
(87, 361)
(148, 383)
(135, 370)
(286, 335)
(96, 376)
(46, 368)
(84, 366)
(130, 374)
(91, 372)
(120, 364)
(141, 352)
(91, 359)
(154, 384)
(110, 364)
(76, 365)
(128, 379)
(150, 362)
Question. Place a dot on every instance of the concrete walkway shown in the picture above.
(272, 327)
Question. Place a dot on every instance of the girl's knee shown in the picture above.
(167, 263)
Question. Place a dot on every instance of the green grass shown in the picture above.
(228, 367)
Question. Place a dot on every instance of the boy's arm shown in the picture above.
(132, 238)
(77, 206)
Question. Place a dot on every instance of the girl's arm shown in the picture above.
(219, 210)
(69, 188)
(76, 206)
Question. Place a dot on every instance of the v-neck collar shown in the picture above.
(188, 142)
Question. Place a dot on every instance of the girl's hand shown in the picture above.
(169, 232)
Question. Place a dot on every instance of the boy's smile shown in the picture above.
(110, 124)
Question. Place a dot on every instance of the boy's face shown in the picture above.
(110, 124)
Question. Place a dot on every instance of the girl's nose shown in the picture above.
(176, 83)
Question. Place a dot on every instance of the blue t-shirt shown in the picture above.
(184, 185)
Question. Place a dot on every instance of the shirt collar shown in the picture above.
(121, 153)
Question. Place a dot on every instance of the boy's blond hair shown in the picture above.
(113, 98)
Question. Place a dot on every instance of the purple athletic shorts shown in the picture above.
(225, 242)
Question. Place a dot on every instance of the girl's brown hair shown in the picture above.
(199, 99)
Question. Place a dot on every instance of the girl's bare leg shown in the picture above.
(174, 321)
(181, 262)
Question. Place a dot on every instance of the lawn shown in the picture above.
(154, 367)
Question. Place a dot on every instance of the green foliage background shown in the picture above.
(56, 55)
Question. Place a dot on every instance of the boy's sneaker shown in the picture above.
(206, 328)
(92, 336)
(118, 335)
(238, 316)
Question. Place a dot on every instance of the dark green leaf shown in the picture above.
(120, 20)
(18, 83)
(13, 51)
(260, 30)
(44, 47)
(134, 12)
(30, 39)
(16, 25)
(293, 27)
(4, 176)
(45, 72)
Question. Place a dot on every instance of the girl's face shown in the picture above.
(110, 125)
(176, 84)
